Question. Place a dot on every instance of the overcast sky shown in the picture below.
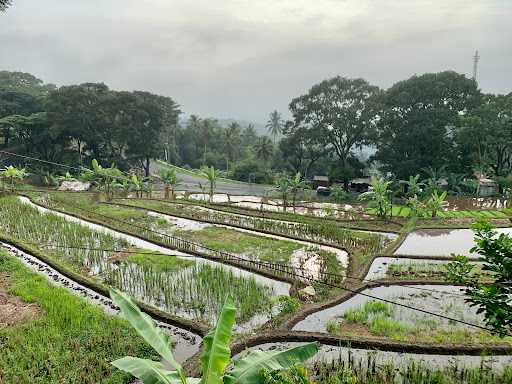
(244, 58)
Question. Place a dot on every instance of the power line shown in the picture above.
(252, 261)
(355, 292)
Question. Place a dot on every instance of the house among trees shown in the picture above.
(321, 181)
(360, 184)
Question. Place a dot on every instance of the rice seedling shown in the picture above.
(376, 370)
(70, 341)
(197, 292)
(173, 284)
(381, 319)
(362, 245)
(426, 270)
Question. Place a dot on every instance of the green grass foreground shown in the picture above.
(71, 341)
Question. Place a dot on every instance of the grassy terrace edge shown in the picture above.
(63, 322)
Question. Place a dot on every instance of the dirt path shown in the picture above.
(13, 310)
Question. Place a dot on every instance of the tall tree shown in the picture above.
(170, 127)
(16, 103)
(264, 148)
(343, 111)
(302, 149)
(232, 141)
(76, 112)
(484, 136)
(275, 124)
(24, 83)
(417, 120)
(145, 117)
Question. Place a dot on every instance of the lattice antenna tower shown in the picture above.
(476, 58)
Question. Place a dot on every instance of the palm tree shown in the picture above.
(275, 124)
(378, 196)
(264, 148)
(170, 181)
(212, 175)
(232, 141)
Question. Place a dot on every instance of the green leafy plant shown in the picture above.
(283, 186)
(491, 298)
(414, 186)
(296, 185)
(339, 194)
(378, 196)
(11, 175)
(212, 175)
(435, 203)
(170, 180)
(215, 357)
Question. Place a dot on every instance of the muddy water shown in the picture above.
(443, 300)
(186, 343)
(334, 354)
(441, 242)
(280, 288)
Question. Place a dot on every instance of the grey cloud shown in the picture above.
(238, 58)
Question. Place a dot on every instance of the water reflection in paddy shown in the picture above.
(441, 242)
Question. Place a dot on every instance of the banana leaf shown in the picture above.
(150, 372)
(146, 327)
(217, 354)
(248, 370)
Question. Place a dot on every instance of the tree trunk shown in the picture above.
(146, 167)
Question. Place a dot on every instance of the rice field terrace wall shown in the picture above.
(282, 271)
(199, 294)
(322, 232)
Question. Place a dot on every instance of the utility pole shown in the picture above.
(476, 58)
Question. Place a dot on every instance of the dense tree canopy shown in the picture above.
(342, 111)
(417, 120)
(437, 122)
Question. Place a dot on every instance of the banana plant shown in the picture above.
(283, 186)
(436, 202)
(378, 196)
(10, 175)
(212, 175)
(414, 186)
(296, 184)
(170, 180)
(102, 178)
(216, 356)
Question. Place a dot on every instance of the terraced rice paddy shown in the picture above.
(361, 315)
(123, 247)
(199, 286)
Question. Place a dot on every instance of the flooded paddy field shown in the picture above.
(204, 282)
(414, 321)
(441, 242)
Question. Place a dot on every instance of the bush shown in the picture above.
(251, 170)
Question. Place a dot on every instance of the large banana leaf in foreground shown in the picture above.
(150, 372)
(146, 327)
(248, 370)
(217, 354)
